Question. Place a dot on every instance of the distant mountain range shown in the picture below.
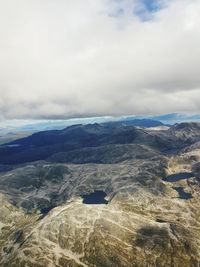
(146, 123)
(16, 126)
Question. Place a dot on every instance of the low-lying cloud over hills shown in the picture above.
(64, 59)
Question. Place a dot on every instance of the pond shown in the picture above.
(46, 210)
(178, 176)
(182, 193)
(96, 197)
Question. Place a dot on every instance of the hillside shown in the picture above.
(102, 196)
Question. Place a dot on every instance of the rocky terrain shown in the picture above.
(149, 214)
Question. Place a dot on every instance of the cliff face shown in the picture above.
(150, 217)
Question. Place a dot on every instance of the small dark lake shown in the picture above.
(97, 197)
(182, 193)
(178, 176)
(44, 211)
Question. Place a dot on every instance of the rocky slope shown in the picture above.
(42, 145)
(151, 216)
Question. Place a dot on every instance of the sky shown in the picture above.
(70, 59)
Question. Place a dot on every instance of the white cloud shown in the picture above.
(62, 59)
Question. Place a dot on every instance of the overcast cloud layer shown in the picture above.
(75, 58)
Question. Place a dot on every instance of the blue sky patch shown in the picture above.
(144, 9)
(151, 5)
(147, 8)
